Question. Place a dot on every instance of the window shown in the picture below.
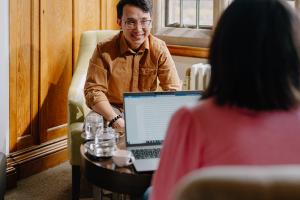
(189, 22)
(186, 22)
(189, 13)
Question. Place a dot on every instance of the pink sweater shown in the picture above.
(209, 135)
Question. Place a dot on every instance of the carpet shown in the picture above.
(52, 184)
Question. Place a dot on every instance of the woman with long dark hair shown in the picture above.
(250, 113)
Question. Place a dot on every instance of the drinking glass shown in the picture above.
(104, 143)
(92, 124)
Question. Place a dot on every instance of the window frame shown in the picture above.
(175, 36)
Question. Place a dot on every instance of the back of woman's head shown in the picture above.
(254, 56)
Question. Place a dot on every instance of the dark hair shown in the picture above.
(145, 5)
(254, 55)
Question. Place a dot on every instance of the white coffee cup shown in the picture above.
(122, 158)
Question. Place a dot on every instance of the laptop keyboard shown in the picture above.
(146, 153)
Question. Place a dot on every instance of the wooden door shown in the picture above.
(24, 66)
(56, 67)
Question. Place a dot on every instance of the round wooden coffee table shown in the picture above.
(104, 174)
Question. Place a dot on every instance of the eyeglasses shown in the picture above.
(132, 24)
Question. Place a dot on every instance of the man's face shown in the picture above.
(136, 25)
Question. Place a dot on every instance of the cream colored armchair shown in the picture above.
(241, 182)
(77, 108)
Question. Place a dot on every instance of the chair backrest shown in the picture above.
(88, 42)
(241, 182)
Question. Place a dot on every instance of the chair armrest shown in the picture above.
(76, 113)
(76, 103)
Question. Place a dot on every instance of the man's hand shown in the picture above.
(119, 125)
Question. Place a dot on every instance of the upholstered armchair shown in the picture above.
(2, 175)
(241, 182)
(77, 108)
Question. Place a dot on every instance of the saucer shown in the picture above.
(105, 152)
(87, 137)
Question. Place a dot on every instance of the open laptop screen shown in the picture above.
(147, 114)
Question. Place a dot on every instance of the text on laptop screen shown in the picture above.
(147, 115)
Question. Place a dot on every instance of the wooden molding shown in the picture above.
(103, 14)
(35, 159)
(188, 51)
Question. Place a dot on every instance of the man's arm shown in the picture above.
(96, 87)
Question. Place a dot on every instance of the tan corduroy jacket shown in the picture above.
(114, 69)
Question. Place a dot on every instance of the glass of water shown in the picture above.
(105, 143)
(92, 124)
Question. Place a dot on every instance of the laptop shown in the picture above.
(147, 115)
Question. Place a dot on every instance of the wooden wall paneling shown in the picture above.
(55, 67)
(24, 60)
(109, 14)
(86, 16)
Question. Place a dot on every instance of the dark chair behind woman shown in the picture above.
(2, 175)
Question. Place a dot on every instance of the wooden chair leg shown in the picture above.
(75, 182)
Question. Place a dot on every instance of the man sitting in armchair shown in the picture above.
(132, 61)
